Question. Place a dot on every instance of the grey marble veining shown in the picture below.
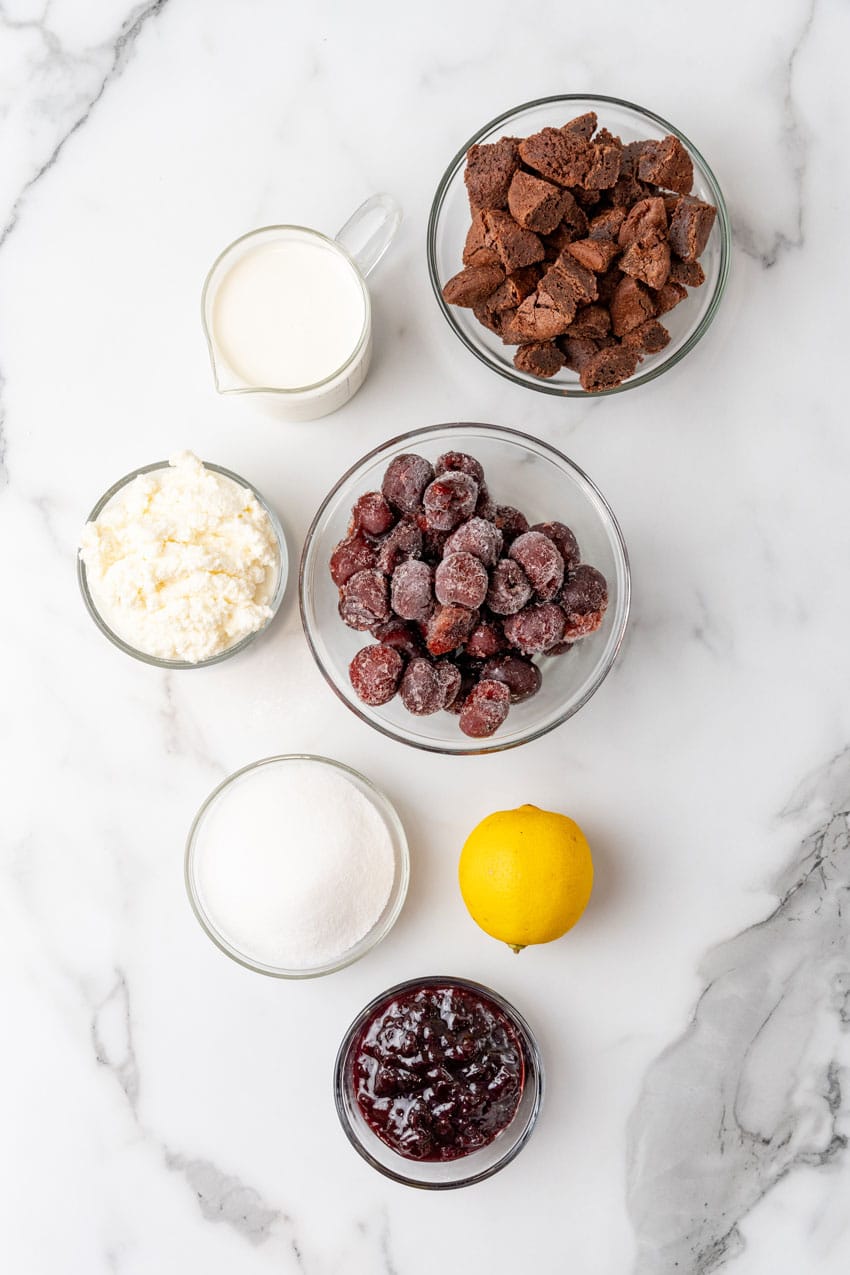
(759, 1084)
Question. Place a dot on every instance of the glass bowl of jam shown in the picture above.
(438, 1083)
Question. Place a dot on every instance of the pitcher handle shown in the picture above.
(370, 230)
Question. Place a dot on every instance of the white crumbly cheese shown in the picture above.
(182, 562)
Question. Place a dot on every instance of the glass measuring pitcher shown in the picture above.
(287, 314)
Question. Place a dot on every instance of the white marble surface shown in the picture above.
(166, 1111)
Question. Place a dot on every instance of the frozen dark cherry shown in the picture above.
(584, 601)
(461, 462)
(479, 537)
(448, 628)
(404, 482)
(484, 709)
(486, 639)
(509, 588)
(421, 689)
(364, 600)
(372, 514)
(375, 672)
(351, 555)
(461, 580)
(438, 1072)
(404, 541)
(522, 678)
(564, 538)
(536, 628)
(412, 590)
(449, 500)
(448, 676)
(470, 675)
(401, 636)
(510, 522)
(540, 559)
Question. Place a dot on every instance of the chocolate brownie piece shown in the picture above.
(515, 289)
(630, 306)
(607, 283)
(473, 284)
(644, 216)
(515, 246)
(605, 158)
(608, 368)
(690, 273)
(495, 320)
(592, 321)
(632, 152)
(627, 190)
(668, 297)
(583, 125)
(489, 169)
(576, 351)
(540, 358)
(690, 227)
(670, 202)
(534, 203)
(649, 338)
(476, 250)
(567, 280)
(593, 254)
(587, 198)
(539, 318)
(606, 225)
(667, 164)
(648, 259)
(562, 157)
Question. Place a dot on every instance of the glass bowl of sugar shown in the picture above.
(296, 866)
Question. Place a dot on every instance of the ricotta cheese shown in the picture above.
(182, 562)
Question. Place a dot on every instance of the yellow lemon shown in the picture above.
(526, 875)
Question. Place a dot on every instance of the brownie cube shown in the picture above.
(631, 305)
(650, 338)
(583, 125)
(562, 157)
(690, 227)
(668, 297)
(607, 283)
(667, 164)
(642, 218)
(606, 225)
(592, 321)
(539, 318)
(648, 259)
(568, 273)
(690, 273)
(516, 247)
(495, 320)
(476, 250)
(632, 152)
(540, 358)
(473, 284)
(604, 167)
(593, 254)
(534, 203)
(515, 289)
(489, 169)
(576, 351)
(627, 190)
(608, 368)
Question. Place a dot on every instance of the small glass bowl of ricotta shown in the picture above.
(296, 866)
(182, 563)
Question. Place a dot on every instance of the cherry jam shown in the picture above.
(438, 1072)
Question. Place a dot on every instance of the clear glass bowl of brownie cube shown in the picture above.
(386, 603)
(438, 1083)
(579, 245)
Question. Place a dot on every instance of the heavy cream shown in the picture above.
(289, 312)
(182, 562)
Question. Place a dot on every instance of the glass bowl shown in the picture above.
(544, 484)
(450, 218)
(432, 1175)
(392, 907)
(155, 660)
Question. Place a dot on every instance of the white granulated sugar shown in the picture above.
(294, 864)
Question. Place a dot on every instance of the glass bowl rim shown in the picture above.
(154, 660)
(291, 389)
(536, 1073)
(656, 370)
(370, 940)
(494, 744)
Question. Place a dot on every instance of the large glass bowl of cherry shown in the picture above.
(523, 475)
(438, 1083)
